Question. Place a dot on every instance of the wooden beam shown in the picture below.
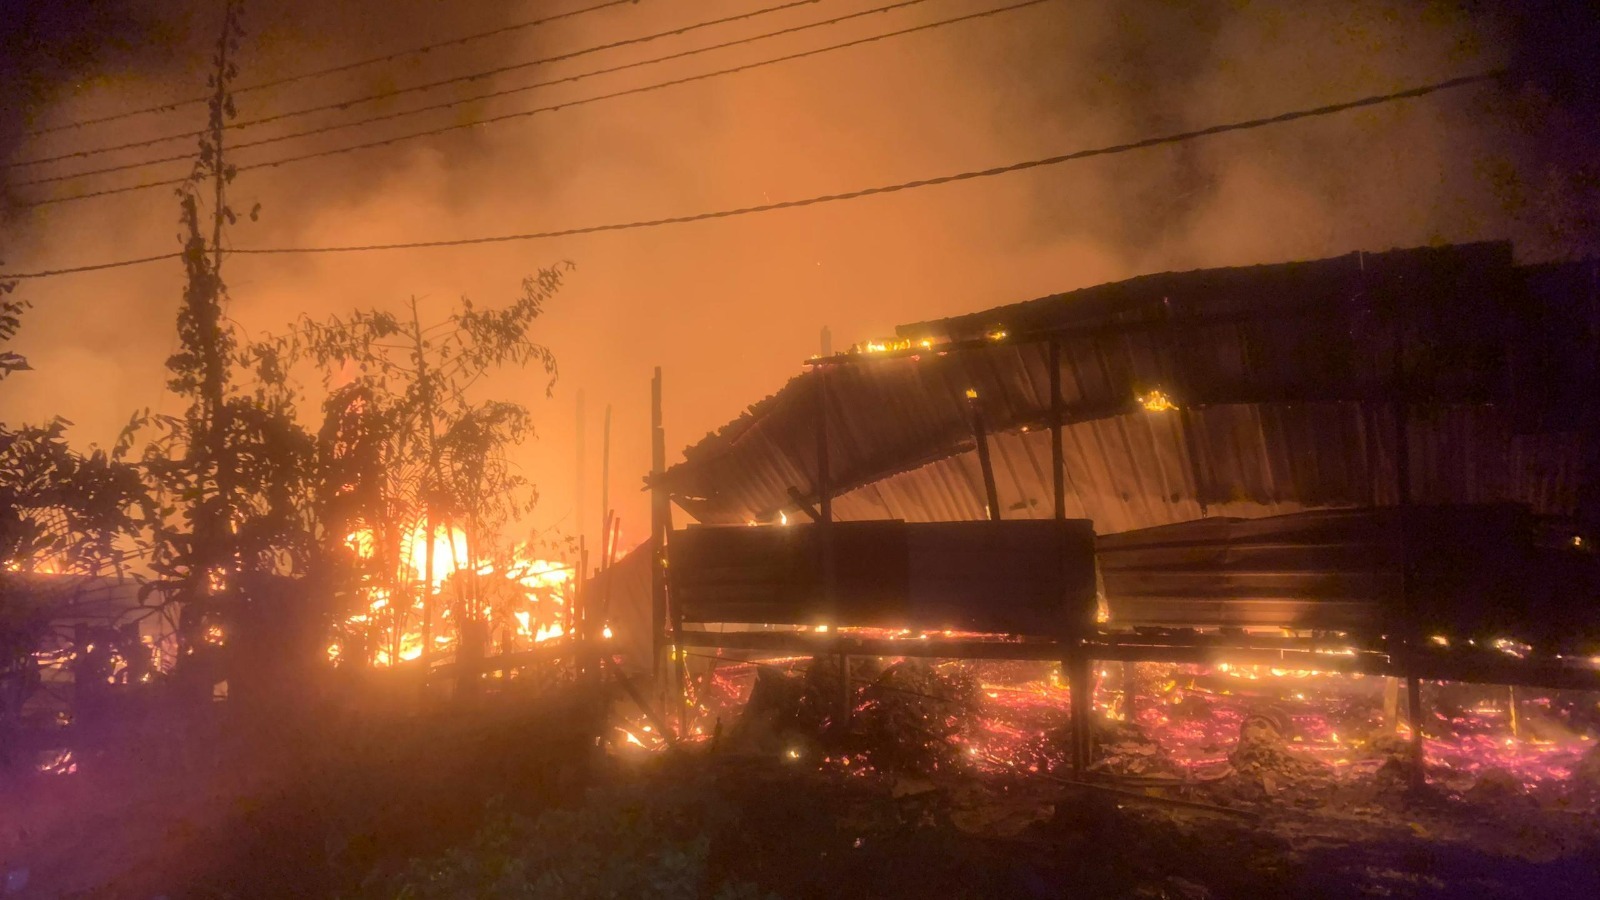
(1058, 459)
(801, 504)
(975, 407)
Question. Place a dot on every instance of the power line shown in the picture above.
(95, 267)
(1178, 137)
(733, 70)
(345, 67)
(476, 76)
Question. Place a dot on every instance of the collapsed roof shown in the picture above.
(1246, 392)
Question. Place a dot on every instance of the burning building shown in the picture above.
(73, 644)
(1376, 468)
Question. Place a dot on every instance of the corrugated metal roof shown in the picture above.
(1280, 374)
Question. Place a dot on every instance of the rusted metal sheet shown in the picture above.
(1282, 378)
(1311, 571)
(1001, 577)
(1478, 573)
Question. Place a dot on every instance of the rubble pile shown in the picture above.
(911, 713)
(772, 714)
(906, 718)
(1126, 750)
(1264, 765)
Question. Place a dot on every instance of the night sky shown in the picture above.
(730, 308)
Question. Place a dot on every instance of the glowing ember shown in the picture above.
(1182, 723)
(58, 762)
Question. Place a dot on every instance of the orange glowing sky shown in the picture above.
(730, 308)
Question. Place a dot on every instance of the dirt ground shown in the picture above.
(515, 799)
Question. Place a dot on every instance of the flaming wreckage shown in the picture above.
(1189, 505)
(1161, 528)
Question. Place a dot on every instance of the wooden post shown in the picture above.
(1058, 461)
(658, 520)
(675, 615)
(1080, 695)
(605, 481)
(975, 407)
(577, 618)
(1391, 702)
(1414, 721)
(824, 487)
(1410, 630)
(830, 600)
(1130, 689)
(577, 484)
(602, 609)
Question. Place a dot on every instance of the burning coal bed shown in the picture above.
(1229, 733)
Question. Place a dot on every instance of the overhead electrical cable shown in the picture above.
(584, 101)
(344, 67)
(1175, 138)
(475, 76)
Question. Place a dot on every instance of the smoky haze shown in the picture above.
(730, 308)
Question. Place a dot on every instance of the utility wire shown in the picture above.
(1178, 137)
(345, 67)
(476, 76)
(95, 267)
(521, 114)
(921, 183)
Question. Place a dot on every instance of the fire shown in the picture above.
(1183, 722)
(1156, 401)
(521, 598)
(59, 763)
(47, 565)
(885, 345)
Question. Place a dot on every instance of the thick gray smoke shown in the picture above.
(730, 308)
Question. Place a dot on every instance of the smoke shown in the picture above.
(730, 308)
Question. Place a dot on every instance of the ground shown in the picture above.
(513, 798)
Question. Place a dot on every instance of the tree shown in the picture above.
(234, 472)
(406, 446)
(61, 512)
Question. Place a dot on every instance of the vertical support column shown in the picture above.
(1408, 615)
(1130, 690)
(1058, 460)
(1080, 695)
(577, 616)
(578, 498)
(830, 600)
(981, 436)
(605, 482)
(1414, 722)
(658, 529)
(1391, 702)
(824, 485)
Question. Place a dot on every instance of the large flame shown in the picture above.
(522, 598)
